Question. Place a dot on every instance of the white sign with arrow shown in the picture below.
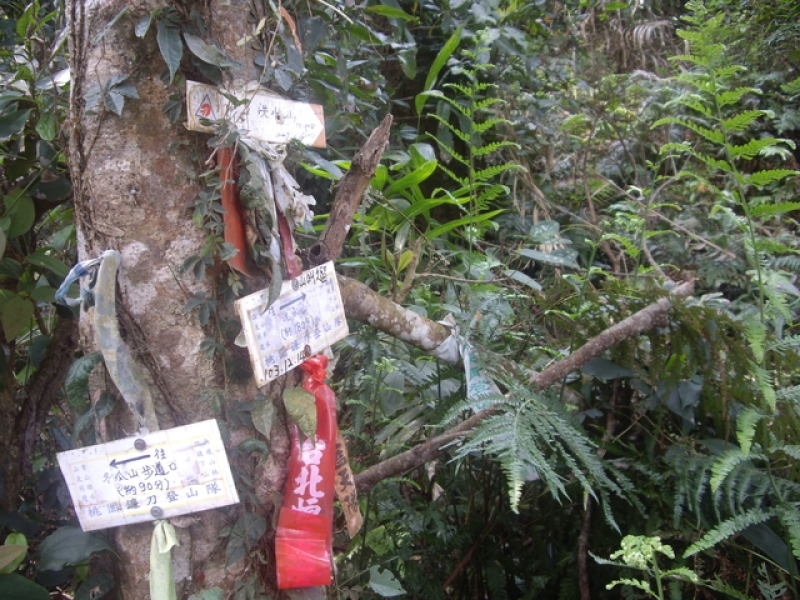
(144, 478)
(262, 115)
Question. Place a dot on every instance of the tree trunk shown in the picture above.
(132, 179)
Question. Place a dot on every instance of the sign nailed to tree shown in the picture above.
(144, 478)
(306, 318)
(261, 116)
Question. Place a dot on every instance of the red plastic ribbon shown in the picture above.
(235, 235)
(304, 535)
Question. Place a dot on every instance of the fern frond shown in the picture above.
(789, 516)
(746, 423)
(751, 149)
(740, 121)
(729, 97)
(462, 180)
(713, 136)
(770, 210)
(490, 173)
(463, 136)
(763, 378)
(756, 334)
(494, 147)
(792, 450)
(762, 178)
(729, 528)
(789, 394)
(487, 102)
(724, 465)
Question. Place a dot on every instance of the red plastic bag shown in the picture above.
(304, 535)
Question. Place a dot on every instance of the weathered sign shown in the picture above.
(306, 318)
(261, 115)
(144, 478)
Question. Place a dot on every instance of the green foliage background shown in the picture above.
(553, 168)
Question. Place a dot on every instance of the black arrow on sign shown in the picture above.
(298, 299)
(116, 463)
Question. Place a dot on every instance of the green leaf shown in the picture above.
(441, 60)
(68, 546)
(246, 532)
(469, 220)
(95, 587)
(404, 260)
(109, 25)
(770, 210)
(524, 279)
(41, 259)
(213, 593)
(2, 243)
(384, 583)
(563, 257)
(22, 211)
(416, 177)
(208, 53)
(302, 408)
(761, 178)
(606, 370)
(143, 25)
(742, 120)
(171, 47)
(16, 316)
(77, 380)
(114, 101)
(17, 587)
(46, 126)
(263, 415)
(11, 556)
(13, 123)
(390, 12)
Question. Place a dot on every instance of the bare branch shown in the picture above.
(641, 321)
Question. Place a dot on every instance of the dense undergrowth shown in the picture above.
(554, 168)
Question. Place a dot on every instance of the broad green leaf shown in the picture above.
(12, 123)
(524, 279)
(411, 179)
(302, 408)
(17, 587)
(390, 12)
(213, 593)
(143, 25)
(16, 316)
(205, 52)
(246, 532)
(109, 25)
(263, 415)
(114, 101)
(606, 370)
(41, 259)
(441, 60)
(563, 257)
(21, 210)
(11, 556)
(404, 260)
(464, 221)
(77, 380)
(68, 546)
(95, 587)
(46, 126)
(171, 47)
(384, 583)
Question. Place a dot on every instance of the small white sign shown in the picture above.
(144, 478)
(306, 318)
(263, 115)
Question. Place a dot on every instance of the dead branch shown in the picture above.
(348, 196)
(650, 316)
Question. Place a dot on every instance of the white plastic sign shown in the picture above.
(144, 478)
(306, 318)
(261, 116)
